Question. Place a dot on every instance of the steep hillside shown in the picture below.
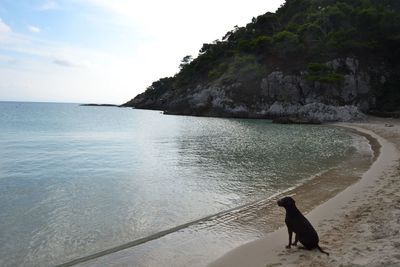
(308, 58)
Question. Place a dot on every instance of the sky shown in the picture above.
(106, 51)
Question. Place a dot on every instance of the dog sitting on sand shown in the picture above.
(298, 224)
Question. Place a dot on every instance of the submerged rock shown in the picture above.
(293, 120)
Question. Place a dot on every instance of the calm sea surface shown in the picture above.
(77, 180)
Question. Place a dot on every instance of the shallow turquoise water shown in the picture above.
(76, 180)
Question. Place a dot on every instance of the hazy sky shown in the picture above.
(106, 51)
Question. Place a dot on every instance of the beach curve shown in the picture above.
(348, 222)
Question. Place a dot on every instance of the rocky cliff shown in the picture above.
(280, 94)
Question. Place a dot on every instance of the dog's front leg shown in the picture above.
(296, 239)
(290, 238)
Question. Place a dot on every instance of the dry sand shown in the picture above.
(359, 227)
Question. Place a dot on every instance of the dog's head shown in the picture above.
(286, 202)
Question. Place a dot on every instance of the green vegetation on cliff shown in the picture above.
(301, 36)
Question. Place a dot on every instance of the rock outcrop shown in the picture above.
(279, 94)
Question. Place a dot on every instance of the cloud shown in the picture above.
(37, 48)
(71, 63)
(40, 49)
(64, 63)
(34, 29)
(5, 31)
(8, 60)
(4, 28)
(48, 5)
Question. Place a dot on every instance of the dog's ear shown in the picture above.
(290, 201)
(286, 202)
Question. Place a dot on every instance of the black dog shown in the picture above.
(297, 223)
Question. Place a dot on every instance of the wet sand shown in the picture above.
(359, 226)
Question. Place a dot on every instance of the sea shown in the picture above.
(104, 186)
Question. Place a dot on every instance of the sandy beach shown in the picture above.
(360, 226)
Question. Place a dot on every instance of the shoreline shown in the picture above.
(258, 206)
(270, 250)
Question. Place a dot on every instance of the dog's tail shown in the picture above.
(320, 249)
